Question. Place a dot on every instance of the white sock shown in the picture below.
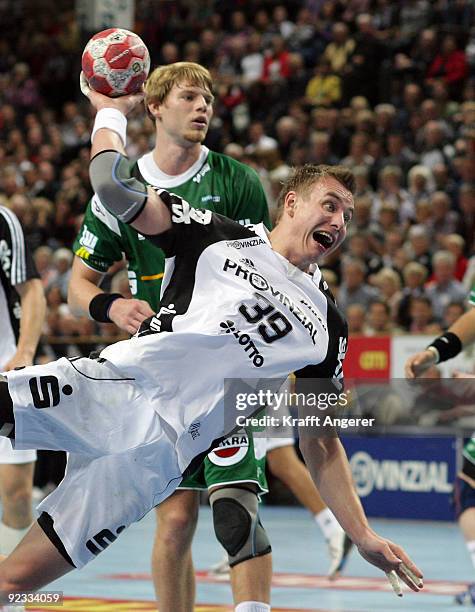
(327, 522)
(252, 606)
(471, 550)
(9, 538)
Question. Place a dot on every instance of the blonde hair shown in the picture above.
(162, 79)
(303, 178)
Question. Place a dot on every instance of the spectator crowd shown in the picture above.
(385, 88)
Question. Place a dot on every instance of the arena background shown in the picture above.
(385, 88)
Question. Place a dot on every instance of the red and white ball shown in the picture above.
(116, 62)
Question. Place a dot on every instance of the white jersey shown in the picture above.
(231, 308)
(146, 411)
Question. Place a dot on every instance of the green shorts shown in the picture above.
(236, 460)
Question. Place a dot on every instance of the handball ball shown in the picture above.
(116, 62)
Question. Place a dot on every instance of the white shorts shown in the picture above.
(122, 459)
(10, 456)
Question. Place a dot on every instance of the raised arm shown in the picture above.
(121, 193)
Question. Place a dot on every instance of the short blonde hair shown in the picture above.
(163, 78)
(304, 178)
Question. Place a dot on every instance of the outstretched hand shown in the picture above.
(393, 561)
(123, 103)
(417, 364)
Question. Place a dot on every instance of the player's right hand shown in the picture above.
(393, 561)
(123, 103)
(417, 364)
(129, 314)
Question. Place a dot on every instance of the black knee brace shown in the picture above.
(7, 420)
(237, 524)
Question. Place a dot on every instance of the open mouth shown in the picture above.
(325, 239)
(200, 123)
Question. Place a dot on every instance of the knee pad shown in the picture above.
(237, 524)
(7, 420)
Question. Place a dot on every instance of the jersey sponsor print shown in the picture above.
(247, 322)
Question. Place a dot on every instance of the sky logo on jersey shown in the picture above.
(182, 212)
(230, 451)
(228, 327)
(204, 170)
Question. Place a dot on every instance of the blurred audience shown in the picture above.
(386, 90)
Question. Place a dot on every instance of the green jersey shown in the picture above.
(471, 297)
(215, 182)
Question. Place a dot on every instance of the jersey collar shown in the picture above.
(261, 230)
(154, 176)
(314, 271)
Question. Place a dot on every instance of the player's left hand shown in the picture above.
(417, 364)
(393, 561)
(123, 103)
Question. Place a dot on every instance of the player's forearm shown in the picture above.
(124, 196)
(329, 468)
(33, 311)
(83, 286)
(105, 140)
(451, 342)
(80, 294)
(464, 328)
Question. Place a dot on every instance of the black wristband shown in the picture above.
(100, 304)
(447, 346)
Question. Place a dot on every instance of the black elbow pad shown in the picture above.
(121, 193)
